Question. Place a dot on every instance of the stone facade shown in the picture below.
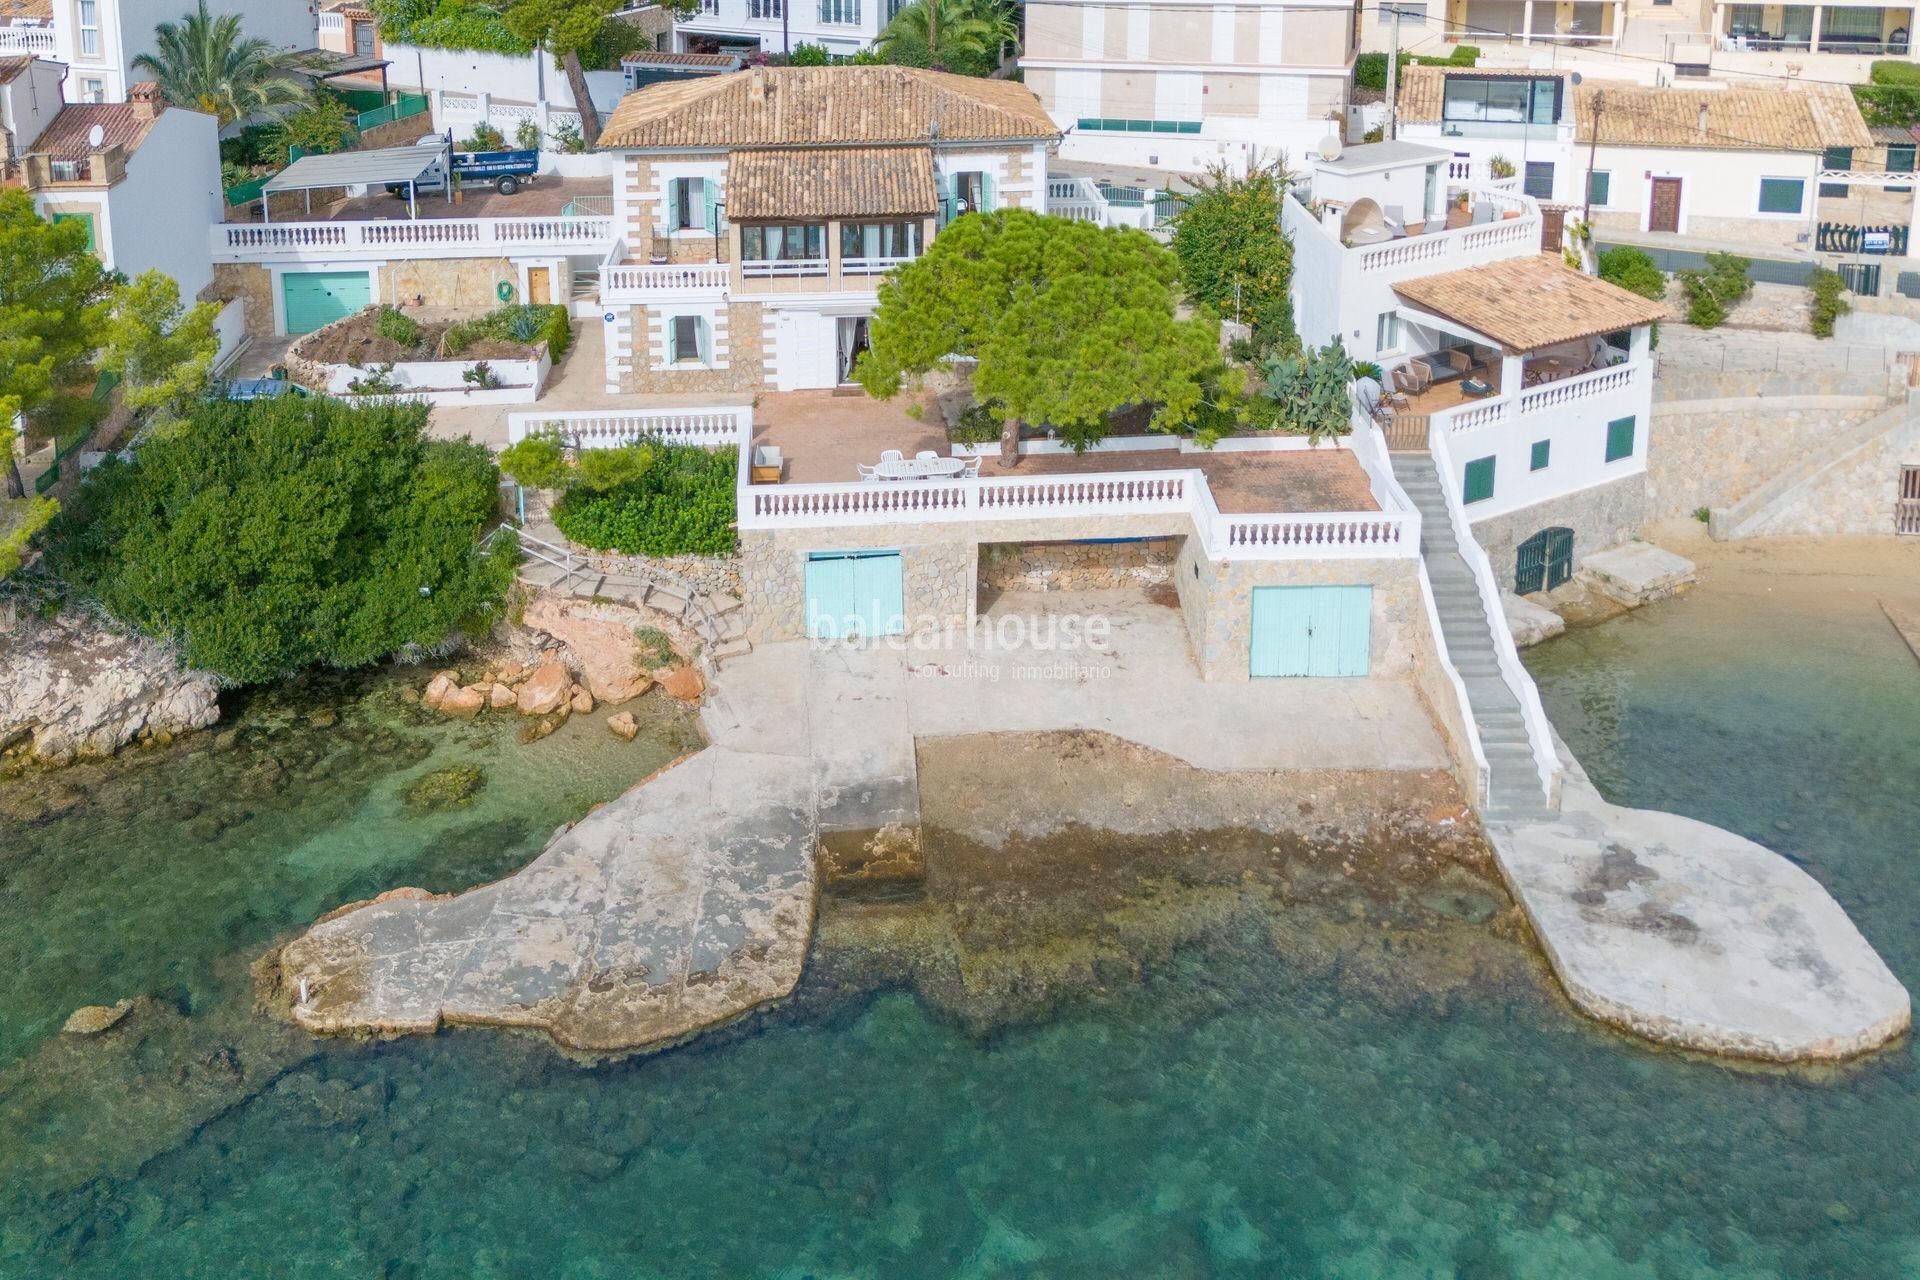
(1707, 364)
(1076, 566)
(1854, 494)
(254, 284)
(1602, 516)
(741, 346)
(464, 283)
(1713, 453)
(936, 576)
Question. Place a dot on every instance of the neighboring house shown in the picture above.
(1529, 382)
(348, 26)
(26, 26)
(29, 99)
(1184, 85)
(1521, 116)
(1738, 162)
(99, 39)
(144, 177)
(759, 210)
(664, 67)
(842, 27)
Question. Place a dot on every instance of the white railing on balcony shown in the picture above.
(770, 267)
(711, 427)
(1318, 534)
(332, 21)
(26, 40)
(622, 281)
(405, 238)
(1461, 247)
(871, 266)
(1613, 380)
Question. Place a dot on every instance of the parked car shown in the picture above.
(506, 171)
(257, 388)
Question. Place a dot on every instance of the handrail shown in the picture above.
(714, 427)
(421, 237)
(1506, 654)
(674, 277)
(1547, 395)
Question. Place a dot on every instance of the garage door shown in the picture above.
(315, 298)
(855, 593)
(1312, 631)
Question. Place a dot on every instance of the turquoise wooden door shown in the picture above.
(1311, 631)
(314, 298)
(854, 593)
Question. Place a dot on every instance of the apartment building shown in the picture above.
(745, 27)
(758, 211)
(99, 39)
(1183, 85)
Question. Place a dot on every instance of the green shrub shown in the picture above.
(1888, 71)
(447, 24)
(1370, 69)
(272, 535)
(485, 138)
(1829, 301)
(809, 55)
(537, 462)
(397, 327)
(1714, 291)
(1500, 167)
(1633, 271)
(1312, 391)
(376, 381)
(681, 502)
(976, 425)
(516, 322)
(526, 135)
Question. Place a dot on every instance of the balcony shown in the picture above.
(37, 41)
(784, 268)
(425, 238)
(630, 282)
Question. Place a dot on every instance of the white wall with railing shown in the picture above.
(1571, 415)
(406, 238)
(38, 41)
(711, 427)
(628, 282)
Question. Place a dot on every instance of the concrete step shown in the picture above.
(729, 649)
(725, 603)
(661, 600)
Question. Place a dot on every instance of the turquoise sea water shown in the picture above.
(1243, 1109)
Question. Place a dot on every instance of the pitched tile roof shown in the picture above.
(1525, 304)
(834, 182)
(13, 66)
(1421, 88)
(65, 138)
(1809, 116)
(667, 58)
(32, 10)
(822, 106)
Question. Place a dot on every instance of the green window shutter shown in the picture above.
(1598, 183)
(87, 218)
(1479, 481)
(1619, 439)
(1900, 159)
(1782, 195)
(712, 211)
(703, 331)
(1542, 450)
(987, 202)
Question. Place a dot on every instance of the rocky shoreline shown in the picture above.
(73, 687)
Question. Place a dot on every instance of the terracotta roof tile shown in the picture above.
(29, 10)
(667, 58)
(1809, 116)
(817, 106)
(13, 66)
(836, 182)
(1528, 303)
(66, 137)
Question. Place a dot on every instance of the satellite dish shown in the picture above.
(96, 136)
(1329, 148)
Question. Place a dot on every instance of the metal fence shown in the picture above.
(401, 108)
(1845, 237)
(1759, 270)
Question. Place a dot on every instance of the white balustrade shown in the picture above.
(620, 282)
(1549, 395)
(1446, 250)
(403, 237)
(871, 266)
(35, 40)
(1318, 534)
(709, 427)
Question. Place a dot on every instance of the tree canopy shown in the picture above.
(161, 351)
(1068, 321)
(205, 62)
(272, 535)
(566, 29)
(1233, 255)
(964, 36)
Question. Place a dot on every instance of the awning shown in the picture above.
(325, 64)
(350, 168)
(832, 182)
(1525, 304)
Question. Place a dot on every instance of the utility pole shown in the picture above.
(933, 32)
(786, 35)
(1593, 145)
(1393, 67)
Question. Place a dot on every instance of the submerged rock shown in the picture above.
(73, 687)
(444, 789)
(623, 725)
(92, 1019)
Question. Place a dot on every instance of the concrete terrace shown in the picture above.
(547, 197)
(823, 436)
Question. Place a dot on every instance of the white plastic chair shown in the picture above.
(924, 455)
(867, 473)
(892, 455)
(972, 470)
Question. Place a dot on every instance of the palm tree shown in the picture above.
(205, 62)
(958, 35)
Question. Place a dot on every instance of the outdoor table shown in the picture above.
(920, 468)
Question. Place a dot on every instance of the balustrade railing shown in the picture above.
(661, 278)
(783, 267)
(422, 237)
(713, 428)
(1548, 395)
(871, 266)
(34, 40)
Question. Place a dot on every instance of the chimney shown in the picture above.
(1703, 119)
(146, 100)
(758, 80)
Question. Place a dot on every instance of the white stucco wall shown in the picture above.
(731, 22)
(519, 78)
(157, 216)
(1714, 185)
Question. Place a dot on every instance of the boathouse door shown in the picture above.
(1311, 631)
(854, 593)
(1544, 561)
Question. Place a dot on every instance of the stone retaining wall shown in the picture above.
(1713, 453)
(1602, 516)
(1076, 566)
(1855, 495)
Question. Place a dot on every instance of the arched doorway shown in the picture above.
(1544, 561)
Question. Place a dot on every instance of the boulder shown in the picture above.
(623, 725)
(500, 696)
(538, 729)
(683, 683)
(437, 689)
(603, 650)
(92, 1019)
(582, 701)
(464, 703)
(546, 691)
(512, 672)
(1529, 622)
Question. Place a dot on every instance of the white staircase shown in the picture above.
(1514, 786)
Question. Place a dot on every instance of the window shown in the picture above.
(93, 90)
(1836, 158)
(1408, 12)
(1619, 439)
(90, 28)
(1098, 125)
(1782, 195)
(1542, 451)
(1599, 183)
(970, 193)
(1501, 100)
(774, 243)
(87, 218)
(1386, 331)
(1539, 183)
(688, 340)
(879, 240)
(1479, 483)
(710, 8)
(844, 13)
(687, 204)
(893, 9)
(764, 8)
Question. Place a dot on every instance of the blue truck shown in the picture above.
(505, 171)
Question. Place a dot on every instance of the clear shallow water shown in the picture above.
(1233, 1114)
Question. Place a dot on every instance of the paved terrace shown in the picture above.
(546, 198)
(824, 435)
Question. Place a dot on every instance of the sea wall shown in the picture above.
(1601, 516)
(1715, 452)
